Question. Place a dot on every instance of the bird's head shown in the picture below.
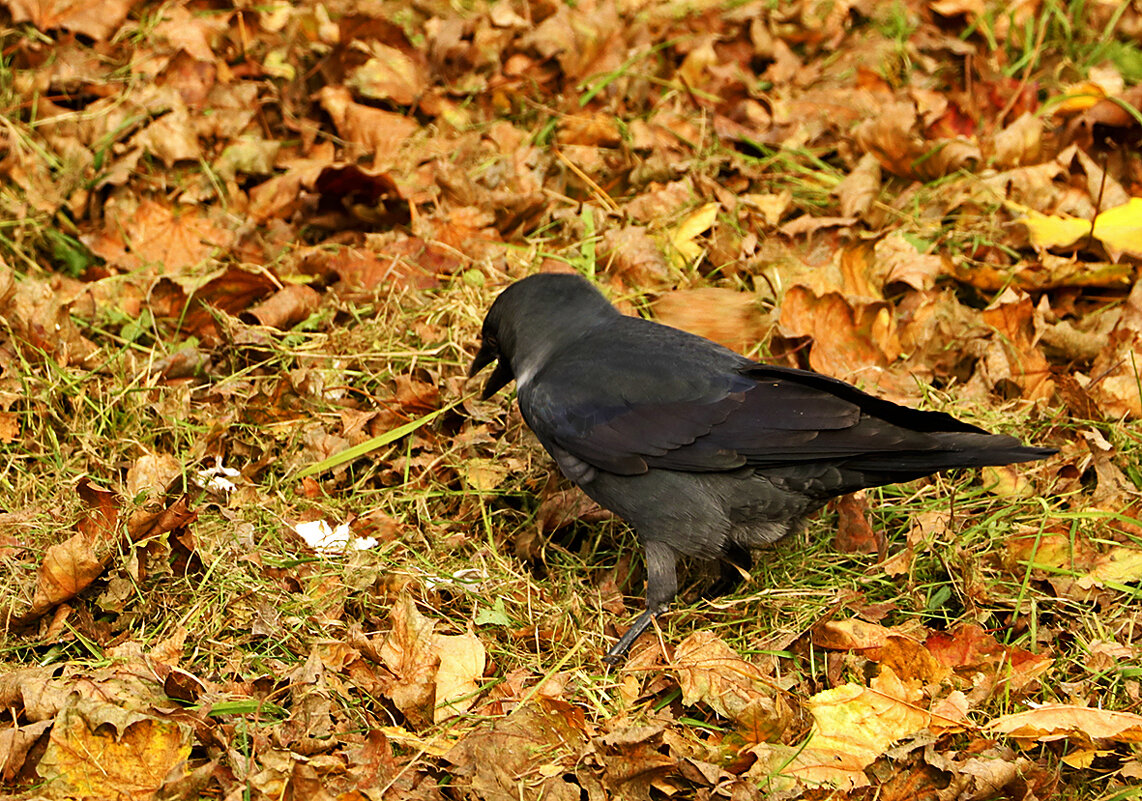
(530, 320)
(489, 352)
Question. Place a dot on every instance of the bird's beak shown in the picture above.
(500, 377)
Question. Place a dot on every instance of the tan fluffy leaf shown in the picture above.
(1064, 721)
(462, 662)
(728, 317)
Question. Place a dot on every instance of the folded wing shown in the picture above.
(681, 406)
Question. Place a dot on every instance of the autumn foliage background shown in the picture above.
(260, 539)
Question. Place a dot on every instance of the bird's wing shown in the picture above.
(686, 405)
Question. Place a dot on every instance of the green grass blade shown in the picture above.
(349, 454)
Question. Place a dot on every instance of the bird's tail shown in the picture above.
(957, 449)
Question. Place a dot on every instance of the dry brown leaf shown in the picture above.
(771, 206)
(389, 74)
(710, 672)
(1013, 356)
(809, 224)
(1063, 721)
(285, 308)
(632, 254)
(730, 318)
(15, 743)
(581, 38)
(462, 662)
(559, 507)
(192, 33)
(233, 291)
(168, 238)
(849, 337)
(1114, 489)
(541, 740)
(172, 137)
(860, 187)
(896, 261)
(398, 261)
(95, 18)
(409, 654)
(853, 634)
(1019, 143)
(375, 131)
(596, 129)
(9, 427)
(153, 474)
(39, 318)
(854, 533)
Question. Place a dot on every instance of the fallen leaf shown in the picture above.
(859, 188)
(849, 337)
(1063, 721)
(693, 225)
(728, 317)
(1119, 565)
(852, 726)
(132, 757)
(492, 758)
(854, 533)
(375, 131)
(408, 652)
(1018, 143)
(1118, 228)
(710, 672)
(95, 18)
(967, 649)
(631, 252)
(389, 74)
(462, 661)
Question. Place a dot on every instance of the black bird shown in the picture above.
(704, 452)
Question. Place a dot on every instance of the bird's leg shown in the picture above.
(733, 568)
(661, 587)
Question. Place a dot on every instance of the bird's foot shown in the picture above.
(642, 623)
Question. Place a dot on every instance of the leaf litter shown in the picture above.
(259, 538)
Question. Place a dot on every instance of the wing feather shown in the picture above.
(659, 398)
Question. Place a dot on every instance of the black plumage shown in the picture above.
(704, 452)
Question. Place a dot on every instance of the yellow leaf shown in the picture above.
(852, 727)
(484, 475)
(130, 758)
(1120, 228)
(1084, 758)
(1080, 97)
(1118, 565)
(694, 224)
(1054, 232)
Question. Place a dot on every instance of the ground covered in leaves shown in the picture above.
(260, 539)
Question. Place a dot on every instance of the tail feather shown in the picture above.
(959, 449)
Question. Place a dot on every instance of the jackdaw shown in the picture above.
(701, 450)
